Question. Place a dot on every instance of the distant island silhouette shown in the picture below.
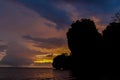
(92, 54)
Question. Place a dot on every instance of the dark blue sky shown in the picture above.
(54, 9)
(38, 27)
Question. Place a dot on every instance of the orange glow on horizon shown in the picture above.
(43, 61)
(49, 53)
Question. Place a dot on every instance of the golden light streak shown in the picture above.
(59, 50)
(43, 61)
(43, 58)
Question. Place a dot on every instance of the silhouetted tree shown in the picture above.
(86, 44)
(111, 37)
(116, 17)
(90, 51)
(61, 62)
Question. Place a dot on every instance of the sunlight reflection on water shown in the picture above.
(33, 74)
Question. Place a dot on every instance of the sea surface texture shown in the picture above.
(33, 74)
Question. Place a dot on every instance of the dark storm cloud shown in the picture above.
(85, 1)
(46, 42)
(102, 9)
(102, 5)
(47, 9)
(100, 2)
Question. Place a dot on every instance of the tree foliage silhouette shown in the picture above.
(84, 41)
(61, 62)
(91, 51)
(116, 17)
(111, 37)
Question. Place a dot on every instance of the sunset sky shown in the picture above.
(32, 32)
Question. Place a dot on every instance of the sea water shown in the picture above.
(33, 74)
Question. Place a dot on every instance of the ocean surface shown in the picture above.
(33, 74)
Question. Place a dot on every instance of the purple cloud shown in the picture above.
(46, 42)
